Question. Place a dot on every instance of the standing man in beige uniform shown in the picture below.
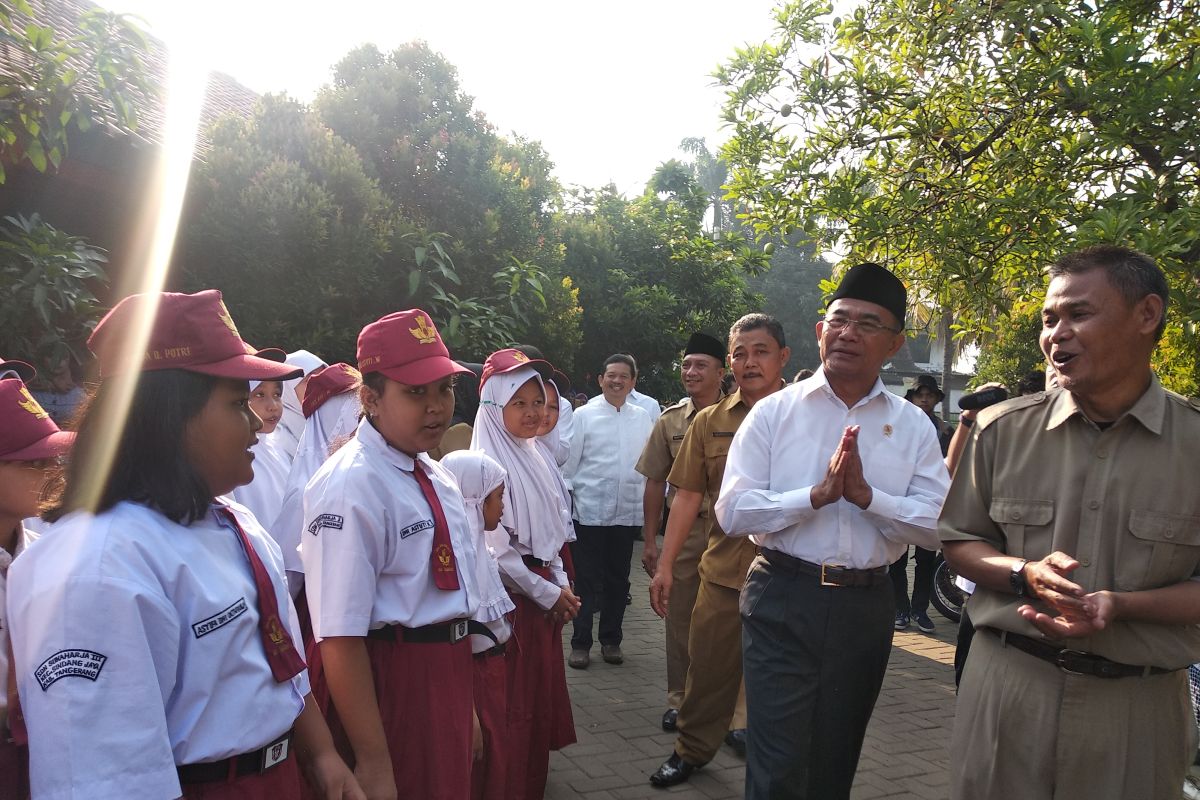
(1076, 513)
(702, 369)
(713, 701)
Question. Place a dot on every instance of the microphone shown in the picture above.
(982, 398)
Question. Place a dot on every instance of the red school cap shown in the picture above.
(510, 358)
(26, 431)
(24, 371)
(192, 332)
(406, 347)
(327, 382)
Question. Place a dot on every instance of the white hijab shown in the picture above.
(479, 475)
(558, 440)
(534, 508)
(292, 423)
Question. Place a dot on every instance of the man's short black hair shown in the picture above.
(752, 322)
(149, 466)
(1133, 274)
(621, 358)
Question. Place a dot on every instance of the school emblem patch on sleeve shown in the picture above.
(69, 664)
(331, 521)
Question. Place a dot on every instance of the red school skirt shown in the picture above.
(425, 699)
(539, 708)
(490, 773)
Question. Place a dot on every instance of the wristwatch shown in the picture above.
(1016, 578)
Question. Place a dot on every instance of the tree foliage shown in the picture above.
(51, 85)
(968, 144)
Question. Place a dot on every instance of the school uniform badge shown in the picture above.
(887, 430)
(331, 521)
(69, 664)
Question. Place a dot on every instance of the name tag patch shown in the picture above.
(722, 434)
(677, 437)
(416, 527)
(220, 619)
(331, 521)
(69, 664)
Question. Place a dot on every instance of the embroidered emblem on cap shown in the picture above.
(519, 356)
(31, 405)
(887, 430)
(424, 333)
(223, 315)
(69, 664)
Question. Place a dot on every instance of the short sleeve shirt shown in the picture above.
(699, 467)
(1038, 476)
(662, 448)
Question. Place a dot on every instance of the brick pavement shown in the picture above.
(617, 713)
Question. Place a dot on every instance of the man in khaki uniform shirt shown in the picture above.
(1077, 514)
(702, 369)
(713, 701)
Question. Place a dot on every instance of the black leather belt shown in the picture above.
(1076, 662)
(535, 563)
(439, 633)
(252, 763)
(498, 650)
(827, 574)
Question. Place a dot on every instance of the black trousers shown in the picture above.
(922, 580)
(814, 659)
(601, 554)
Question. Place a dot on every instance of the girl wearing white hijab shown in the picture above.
(264, 495)
(535, 521)
(292, 423)
(481, 480)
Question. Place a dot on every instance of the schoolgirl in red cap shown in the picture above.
(29, 444)
(390, 574)
(536, 520)
(152, 633)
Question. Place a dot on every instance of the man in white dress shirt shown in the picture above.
(832, 477)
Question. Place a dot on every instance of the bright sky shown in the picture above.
(609, 88)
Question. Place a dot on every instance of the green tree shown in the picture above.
(791, 292)
(968, 144)
(51, 85)
(711, 173)
(1013, 352)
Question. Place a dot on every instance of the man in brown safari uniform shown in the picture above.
(1076, 513)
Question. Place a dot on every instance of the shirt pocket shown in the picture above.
(1028, 526)
(1162, 549)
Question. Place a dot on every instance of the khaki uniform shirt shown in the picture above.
(662, 448)
(1038, 476)
(699, 467)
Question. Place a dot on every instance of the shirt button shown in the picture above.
(1094, 504)
(1016, 515)
(1085, 563)
(1101, 454)
(1170, 533)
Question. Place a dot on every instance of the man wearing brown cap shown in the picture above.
(831, 478)
(1076, 513)
(702, 368)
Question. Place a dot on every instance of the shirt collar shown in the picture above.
(373, 440)
(819, 381)
(1150, 409)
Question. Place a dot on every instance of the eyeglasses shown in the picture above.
(865, 327)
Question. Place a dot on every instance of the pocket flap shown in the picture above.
(1011, 511)
(1158, 526)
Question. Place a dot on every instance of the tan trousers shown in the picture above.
(714, 700)
(685, 582)
(1026, 729)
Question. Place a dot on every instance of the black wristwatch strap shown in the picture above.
(1016, 579)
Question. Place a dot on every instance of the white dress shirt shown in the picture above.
(601, 470)
(368, 537)
(264, 495)
(642, 401)
(783, 449)
(24, 537)
(137, 647)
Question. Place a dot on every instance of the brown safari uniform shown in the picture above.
(713, 701)
(1038, 476)
(657, 457)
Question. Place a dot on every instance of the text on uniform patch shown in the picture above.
(69, 664)
(416, 527)
(207, 626)
(332, 521)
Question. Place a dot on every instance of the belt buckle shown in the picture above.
(824, 566)
(1071, 660)
(274, 753)
(458, 631)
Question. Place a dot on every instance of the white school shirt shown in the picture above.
(495, 601)
(137, 648)
(264, 495)
(604, 451)
(642, 401)
(783, 449)
(368, 535)
(24, 537)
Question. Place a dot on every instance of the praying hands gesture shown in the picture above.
(844, 477)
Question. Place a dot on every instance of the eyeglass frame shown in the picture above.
(865, 326)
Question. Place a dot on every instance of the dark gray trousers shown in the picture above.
(814, 658)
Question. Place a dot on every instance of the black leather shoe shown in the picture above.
(736, 739)
(674, 770)
(669, 718)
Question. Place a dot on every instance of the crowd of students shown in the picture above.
(254, 582)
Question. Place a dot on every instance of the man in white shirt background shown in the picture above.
(832, 477)
(609, 437)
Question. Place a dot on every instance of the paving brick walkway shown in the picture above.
(617, 713)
